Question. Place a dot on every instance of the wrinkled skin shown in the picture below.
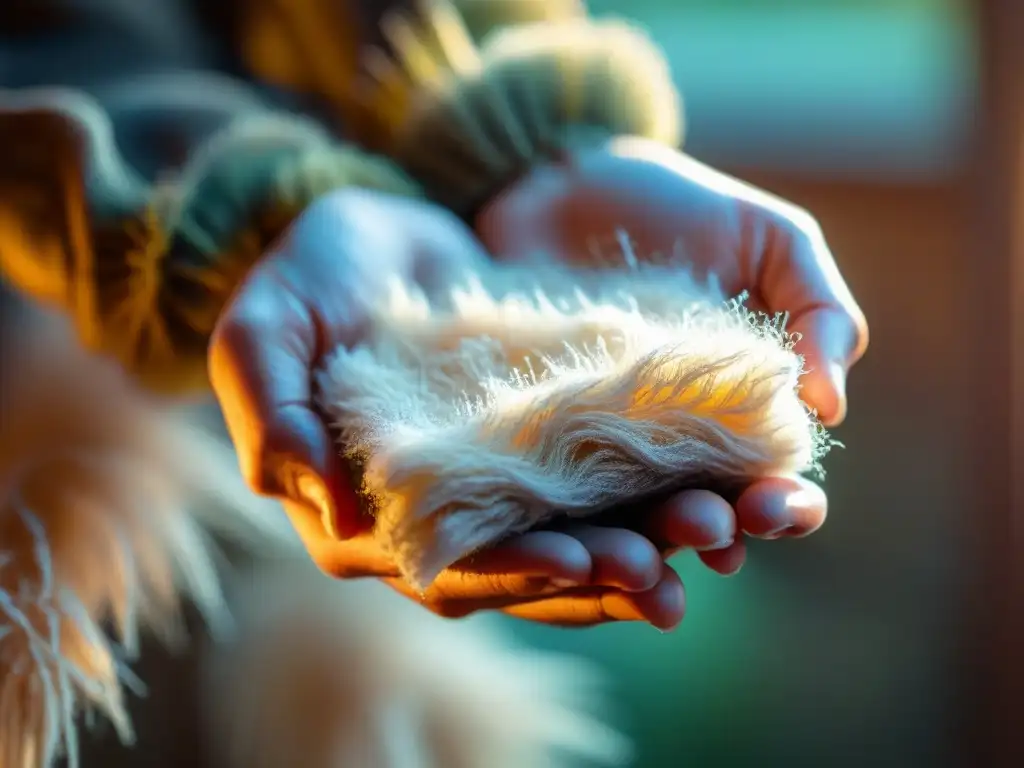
(306, 296)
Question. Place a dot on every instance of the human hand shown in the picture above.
(671, 204)
(310, 295)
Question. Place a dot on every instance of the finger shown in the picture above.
(799, 275)
(526, 566)
(260, 361)
(621, 558)
(463, 594)
(532, 564)
(728, 561)
(781, 506)
(699, 520)
(663, 606)
(550, 554)
(824, 337)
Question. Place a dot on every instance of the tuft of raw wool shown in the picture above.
(324, 677)
(100, 537)
(537, 393)
(467, 119)
(145, 269)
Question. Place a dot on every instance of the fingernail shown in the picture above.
(313, 492)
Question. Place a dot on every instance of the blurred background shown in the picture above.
(861, 645)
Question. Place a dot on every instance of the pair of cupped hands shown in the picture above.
(310, 294)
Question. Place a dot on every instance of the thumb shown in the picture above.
(828, 340)
(260, 360)
(799, 276)
(295, 459)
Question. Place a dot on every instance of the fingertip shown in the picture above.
(728, 561)
(830, 343)
(663, 606)
(550, 554)
(694, 519)
(635, 564)
(824, 390)
(777, 506)
(669, 599)
(621, 558)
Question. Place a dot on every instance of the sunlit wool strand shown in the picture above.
(325, 677)
(539, 392)
(99, 538)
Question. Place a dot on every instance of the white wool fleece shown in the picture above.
(534, 392)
